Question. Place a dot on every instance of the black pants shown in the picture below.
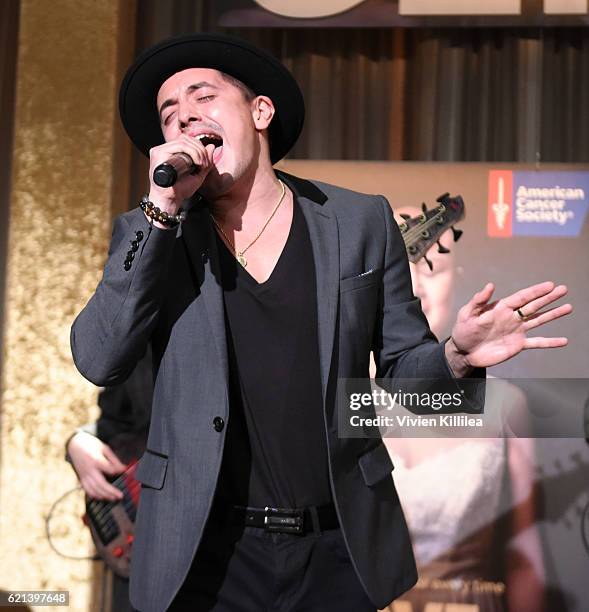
(246, 569)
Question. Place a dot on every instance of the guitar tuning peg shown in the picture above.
(424, 207)
(443, 197)
(456, 233)
(442, 248)
(405, 216)
(430, 265)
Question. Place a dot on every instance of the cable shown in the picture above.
(48, 532)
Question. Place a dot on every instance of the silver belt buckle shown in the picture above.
(284, 520)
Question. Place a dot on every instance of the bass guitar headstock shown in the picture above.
(420, 233)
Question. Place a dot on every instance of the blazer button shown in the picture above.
(218, 423)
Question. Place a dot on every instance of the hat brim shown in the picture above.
(259, 70)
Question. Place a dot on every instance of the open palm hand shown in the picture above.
(487, 333)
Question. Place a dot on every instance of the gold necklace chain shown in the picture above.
(240, 255)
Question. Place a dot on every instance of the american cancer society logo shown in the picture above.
(537, 203)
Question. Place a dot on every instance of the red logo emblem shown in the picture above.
(499, 212)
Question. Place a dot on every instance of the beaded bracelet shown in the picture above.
(155, 214)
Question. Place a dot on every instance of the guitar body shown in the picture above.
(112, 524)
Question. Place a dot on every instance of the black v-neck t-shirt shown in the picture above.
(275, 447)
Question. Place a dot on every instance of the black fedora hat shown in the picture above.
(259, 70)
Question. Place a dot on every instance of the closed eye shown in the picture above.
(167, 119)
(203, 99)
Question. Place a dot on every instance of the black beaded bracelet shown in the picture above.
(161, 216)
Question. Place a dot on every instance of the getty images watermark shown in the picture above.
(381, 400)
(484, 408)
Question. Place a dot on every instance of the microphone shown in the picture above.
(172, 170)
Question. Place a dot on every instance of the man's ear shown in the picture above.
(262, 112)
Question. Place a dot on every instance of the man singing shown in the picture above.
(256, 291)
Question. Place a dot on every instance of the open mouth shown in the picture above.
(208, 139)
(213, 139)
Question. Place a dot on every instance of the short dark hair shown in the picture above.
(248, 93)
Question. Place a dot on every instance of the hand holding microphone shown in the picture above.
(177, 169)
(180, 164)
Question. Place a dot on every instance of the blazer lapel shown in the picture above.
(323, 232)
(198, 235)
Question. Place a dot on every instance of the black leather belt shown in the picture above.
(286, 520)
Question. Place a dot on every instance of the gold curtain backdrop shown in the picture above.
(60, 206)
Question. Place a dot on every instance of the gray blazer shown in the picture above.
(170, 295)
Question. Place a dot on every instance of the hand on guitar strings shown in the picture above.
(92, 459)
